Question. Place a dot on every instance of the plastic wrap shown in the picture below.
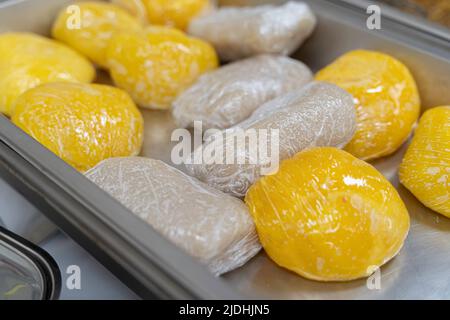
(320, 114)
(425, 169)
(229, 95)
(386, 98)
(96, 25)
(174, 13)
(209, 225)
(27, 60)
(81, 123)
(328, 216)
(237, 33)
(154, 66)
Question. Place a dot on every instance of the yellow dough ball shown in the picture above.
(175, 13)
(425, 170)
(81, 123)
(27, 60)
(157, 64)
(89, 26)
(386, 98)
(328, 216)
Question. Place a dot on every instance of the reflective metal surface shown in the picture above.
(20, 217)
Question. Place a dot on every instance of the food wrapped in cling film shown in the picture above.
(208, 224)
(320, 114)
(425, 169)
(229, 95)
(28, 60)
(81, 123)
(328, 216)
(386, 99)
(239, 32)
(97, 24)
(155, 65)
(174, 13)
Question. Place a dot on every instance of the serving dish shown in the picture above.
(151, 265)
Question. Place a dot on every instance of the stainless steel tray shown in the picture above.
(154, 267)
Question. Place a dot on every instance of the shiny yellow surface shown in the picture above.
(97, 24)
(425, 169)
(328, 216)
(386, 98)
(174, 13)
(81, 123)
(157, 64)
(27, 60)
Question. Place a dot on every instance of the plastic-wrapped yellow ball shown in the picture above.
(174, 13)
(157, 64)
(89, 26)
(81, 123)
(425, 169)
(328, 216)
(386, 98)
(27, 60)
